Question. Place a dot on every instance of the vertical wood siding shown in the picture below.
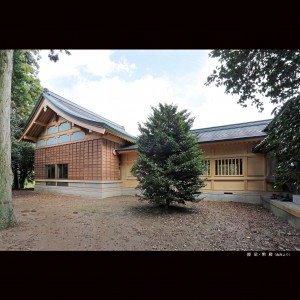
(87, 160)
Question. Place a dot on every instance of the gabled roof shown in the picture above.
(75, 113)
(224, 133)
(232, 132)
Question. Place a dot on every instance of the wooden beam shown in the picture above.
(31, 138)
(48, 104)
(40, 123)
(37, 113)
(118, 135)
(77, 122)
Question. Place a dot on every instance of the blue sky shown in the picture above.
(162, 62)
(121, 85)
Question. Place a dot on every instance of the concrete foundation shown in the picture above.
(242, 198)
(130, 192)
(83, 192)
(288, 211)
(296, 199)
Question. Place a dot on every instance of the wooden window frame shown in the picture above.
(229, 167)
(47, 171)
(62, 171)
(207, 170)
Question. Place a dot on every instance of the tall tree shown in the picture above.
(169, 161)
(7, 217)
(25, 90)
(274, 74)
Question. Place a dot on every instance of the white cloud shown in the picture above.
(212, 107)
(125, 103)
(128, 102)
(94, 62)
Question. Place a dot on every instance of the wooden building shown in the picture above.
(80, 152)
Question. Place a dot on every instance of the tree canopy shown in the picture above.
(26, 86)
(256, 73)
(22, 154)
(283, 142)
(54, 56)
(169, 161)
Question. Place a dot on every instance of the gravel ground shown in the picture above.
(61, 222)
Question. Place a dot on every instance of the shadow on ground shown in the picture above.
(151, 209)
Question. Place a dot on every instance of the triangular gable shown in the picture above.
(50, 104)
(43, 113)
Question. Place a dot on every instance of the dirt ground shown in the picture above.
(60, 222)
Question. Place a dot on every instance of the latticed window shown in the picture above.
(62, 170)
(206, 170)
(50, 171)
(230, 166)
(52, 129)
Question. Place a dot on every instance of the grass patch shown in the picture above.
(29, 185)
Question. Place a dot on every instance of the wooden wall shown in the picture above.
(88, 159)
(253, 179)
(127, 160)
(92, 159)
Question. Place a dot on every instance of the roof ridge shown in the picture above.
(82, 108)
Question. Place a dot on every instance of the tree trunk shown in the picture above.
(167, 204)
(22, 180)
(15, 185)
(7, 217)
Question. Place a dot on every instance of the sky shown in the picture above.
(122, 85)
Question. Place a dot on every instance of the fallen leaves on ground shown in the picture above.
(63, 222)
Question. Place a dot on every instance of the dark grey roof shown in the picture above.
(84, 115)
(232, 132)
(228, 132)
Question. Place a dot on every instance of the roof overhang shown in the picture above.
(50, 103)
(248, 139)
(41, 108)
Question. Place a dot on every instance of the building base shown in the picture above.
(231, 197)
(287, 211)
